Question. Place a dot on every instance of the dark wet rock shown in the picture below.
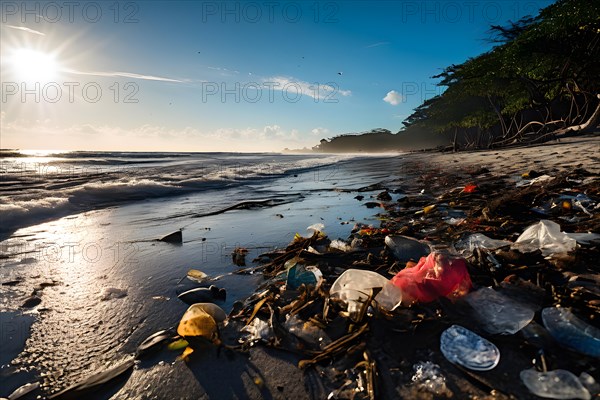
(375, 186)
(480, 171)
(203, 295)
(372, 204)
(238, 256)
(48, 284)
(384, 196)
(531, 174)
(31, 301)
(153, 341)
(175, 237)
(359, 197)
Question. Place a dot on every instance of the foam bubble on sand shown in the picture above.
(109, 293)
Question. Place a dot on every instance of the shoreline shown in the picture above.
(431, 172)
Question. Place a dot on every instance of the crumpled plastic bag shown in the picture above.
(478, 240)
(434, 276)
(546, 236)
(354, 287)
(499, 314)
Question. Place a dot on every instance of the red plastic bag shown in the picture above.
(434, 276)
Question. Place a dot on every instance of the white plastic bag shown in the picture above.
(546, 236)
(354, 287)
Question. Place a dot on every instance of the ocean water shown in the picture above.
(76, 226)
(38, 186)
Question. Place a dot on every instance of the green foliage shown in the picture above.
(533, 63)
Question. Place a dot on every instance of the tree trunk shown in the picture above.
(590, 125)
(454, 149)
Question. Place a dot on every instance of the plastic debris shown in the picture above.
(299, 275)
(537, 179)
(200, 320)
(585, 238)
(318, 227)
(429, 209)
(557, 384)
(546, 236)
(258, 330)
(312, 250)
(178, 345)
(469, 188)
(461, 346)
(429, 377)
(572, 332)
(186, 353)
(434, 276)
(497, 313)
(109, 293)
(196, 275)
(479, 241)
(340, 245)
(354, 287)
(406, 248)
(307, 331)
(590, 383)
(454, 221)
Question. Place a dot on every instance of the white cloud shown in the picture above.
(376, 44)
(272, 131)
(393, 97)
(223, 69)
(318, 131)
(89, 136)
(125, 75)
(25, 29)
(328, 92)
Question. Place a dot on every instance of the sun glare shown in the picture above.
(34, 66)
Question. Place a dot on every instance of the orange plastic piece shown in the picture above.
(470, 188)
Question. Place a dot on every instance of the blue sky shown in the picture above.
(227, 76)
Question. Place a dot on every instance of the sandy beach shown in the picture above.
(73, 332)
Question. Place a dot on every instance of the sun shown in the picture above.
(31, 65)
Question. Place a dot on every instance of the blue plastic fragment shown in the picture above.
(572, 332)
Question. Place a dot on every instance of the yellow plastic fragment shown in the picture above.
(186, 353)
(178, 345)
(196, 275)
(196, 322)
(428, 209)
